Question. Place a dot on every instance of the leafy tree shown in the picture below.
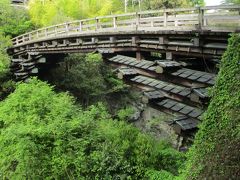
(52, 12)
(159, 4)
(215, 153)
(4, 59)
(13, 21)
(86, 77)
(6, 84)
(43, 135)
(197, 2)
(47, 12)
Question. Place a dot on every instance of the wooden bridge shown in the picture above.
(190, 41)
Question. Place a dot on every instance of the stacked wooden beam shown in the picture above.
(188, 101)
(166, 65)
(184, 123)
(24, 68)
(126, 72)
(193, 75)
(181, 108)
(152, 95)
(132, 62)
(163, 86)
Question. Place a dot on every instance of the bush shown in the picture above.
(44, 135)
(14, 21)
(6, 84)
(159, 175)
(86, 77)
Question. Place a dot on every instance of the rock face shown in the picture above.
(138, 109)
(154, 122)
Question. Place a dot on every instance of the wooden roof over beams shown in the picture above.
(161, 85)
(181, 108)
(199, 76)
(186, 123)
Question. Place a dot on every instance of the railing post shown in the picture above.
(165, 15)
(97, 23)
(138, 16)
(67, 28)
(176, 21)
(80, 26)
(37, 34)
(200, 18)
(152, 23)
(115, 22)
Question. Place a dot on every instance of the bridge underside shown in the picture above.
(208, 46)
(173, 69)
(192, 43)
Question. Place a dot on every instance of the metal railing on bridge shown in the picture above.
(210, 18)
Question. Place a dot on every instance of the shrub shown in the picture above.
(44, 135)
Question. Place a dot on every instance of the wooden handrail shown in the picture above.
(164, 19)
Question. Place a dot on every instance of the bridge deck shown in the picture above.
(217, 19)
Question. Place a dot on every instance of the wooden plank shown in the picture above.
(199, 76)
(186, 123)
(181, 108)
(166, 65)
(126, 72)
(163, 86)
(152, 95)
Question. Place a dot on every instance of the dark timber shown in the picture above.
(191, 42)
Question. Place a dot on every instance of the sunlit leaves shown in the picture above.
(13, 21)
(48, 12)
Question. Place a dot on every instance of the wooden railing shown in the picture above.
(215, 18)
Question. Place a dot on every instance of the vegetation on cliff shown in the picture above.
(215, 153)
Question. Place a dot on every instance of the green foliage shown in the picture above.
(159, 4)
(4, 59)
(159, 175)
(47, 12)
(43, 135)
(13, 21)
(6, 84)
(52, 12)
(215, 153)
(197, 2)
(124, 114)
(86, 77)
